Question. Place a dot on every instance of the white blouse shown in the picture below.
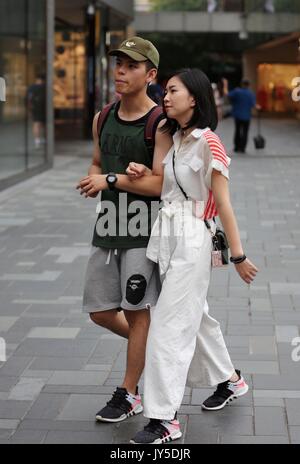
(200, 153)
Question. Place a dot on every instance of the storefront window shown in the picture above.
(275, 87)
(69, 82)
(22, 62)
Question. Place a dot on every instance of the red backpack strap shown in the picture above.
(151, 125)
(103, 117)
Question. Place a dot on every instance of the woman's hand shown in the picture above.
(246, 270)
(136, 170)
(91, 185)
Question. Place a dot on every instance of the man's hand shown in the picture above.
(91, 185)
(136, 170)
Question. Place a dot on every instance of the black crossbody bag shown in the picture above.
(219, 239)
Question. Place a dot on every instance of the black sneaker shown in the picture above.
(158, 431)
(226, 392)
(121, 406)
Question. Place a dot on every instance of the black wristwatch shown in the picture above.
(111, 180)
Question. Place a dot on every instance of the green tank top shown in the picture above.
(125, 219)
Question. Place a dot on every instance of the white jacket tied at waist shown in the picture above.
(176, 222)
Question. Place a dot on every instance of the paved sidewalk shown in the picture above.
(61, 368)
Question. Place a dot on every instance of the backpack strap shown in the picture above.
(151, 126)
(103, 117)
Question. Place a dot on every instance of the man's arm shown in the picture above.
(149, 185)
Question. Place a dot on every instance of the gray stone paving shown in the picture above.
(61, 368)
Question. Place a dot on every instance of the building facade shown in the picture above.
(26, 124)
(54, 75)
(258, 39)
(273, 69)
(82, 69)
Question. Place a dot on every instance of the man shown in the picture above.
(119, 275)
(242, 100)
(37, 107)
(211, 6)
(156, 92)
(269, 6)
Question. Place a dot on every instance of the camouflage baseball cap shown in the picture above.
(139, 50)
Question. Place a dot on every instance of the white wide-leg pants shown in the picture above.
(185, 345)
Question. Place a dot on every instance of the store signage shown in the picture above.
(2, 90)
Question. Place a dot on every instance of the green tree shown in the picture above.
(178, 5)
(201, 5)
(287, 5)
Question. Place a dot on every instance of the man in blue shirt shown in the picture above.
(242, 100)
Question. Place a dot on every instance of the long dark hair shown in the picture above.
(205, 111)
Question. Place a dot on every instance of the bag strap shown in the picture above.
(103, 117)
(150, 127)
(186, 197)
(182, 191)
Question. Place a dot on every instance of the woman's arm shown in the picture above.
(246, 269)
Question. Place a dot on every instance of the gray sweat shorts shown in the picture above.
(120, 279)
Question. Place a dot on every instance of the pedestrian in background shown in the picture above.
(243, 101)
(218, 101)
(155, 92)
(36, 97)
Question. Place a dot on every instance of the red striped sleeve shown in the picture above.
(219, 153)
(210, 209)
(216, 147)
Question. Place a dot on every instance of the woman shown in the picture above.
(185, 344)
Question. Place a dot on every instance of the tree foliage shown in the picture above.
(178, 5)
(201, 5)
